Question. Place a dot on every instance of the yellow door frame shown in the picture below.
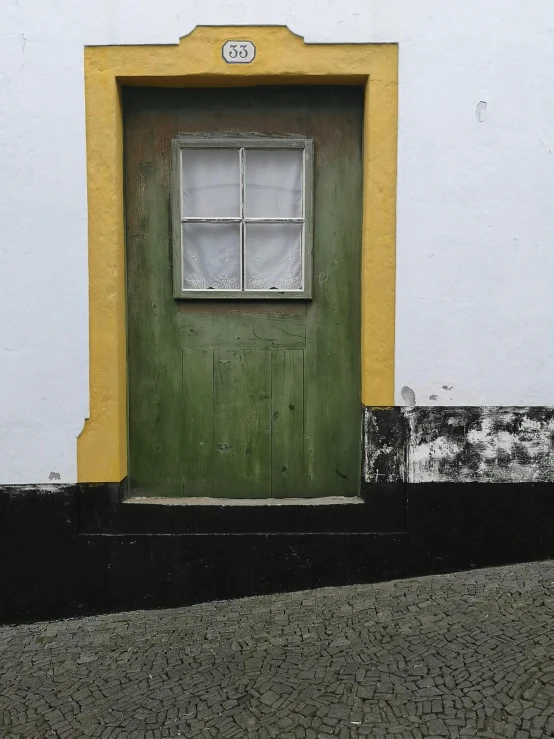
(281, 58)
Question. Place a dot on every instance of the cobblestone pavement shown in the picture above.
(470, 654)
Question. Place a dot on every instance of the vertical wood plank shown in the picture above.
(154, 368)
(198, 449)
(242, 424)
(287, 423)
(332, 360)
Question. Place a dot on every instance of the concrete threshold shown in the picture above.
(331, 500)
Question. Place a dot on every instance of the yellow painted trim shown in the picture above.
(281, 58)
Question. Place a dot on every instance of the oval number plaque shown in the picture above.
(238, 52)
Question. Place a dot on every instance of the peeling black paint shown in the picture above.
(473, 444)
(384, 445)
(460, 444)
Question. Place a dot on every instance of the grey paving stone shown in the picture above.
(463, 655)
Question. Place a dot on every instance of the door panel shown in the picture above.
(242, 422)
(244, 398)
(197, 408)
(287, 423)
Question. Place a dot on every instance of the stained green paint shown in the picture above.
(155, 393)
(252, 398)
(333, 330)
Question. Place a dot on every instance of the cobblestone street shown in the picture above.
(469, 654)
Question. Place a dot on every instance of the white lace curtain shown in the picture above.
(241, 254)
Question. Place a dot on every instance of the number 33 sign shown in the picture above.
(238, 52)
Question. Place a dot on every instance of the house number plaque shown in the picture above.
(238, 52)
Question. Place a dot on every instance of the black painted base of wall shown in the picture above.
(78, 550)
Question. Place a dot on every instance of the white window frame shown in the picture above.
(242, 143)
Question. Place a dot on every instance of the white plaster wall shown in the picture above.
(475, 305)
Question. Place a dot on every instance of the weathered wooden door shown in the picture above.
(232, 397)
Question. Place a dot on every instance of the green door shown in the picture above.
(244, 396)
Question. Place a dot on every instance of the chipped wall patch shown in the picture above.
(480, 110)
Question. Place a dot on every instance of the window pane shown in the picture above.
(211, 256)
(273, 256)
(211, 183)
(273, 183)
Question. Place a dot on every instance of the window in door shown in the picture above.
(242, 217)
